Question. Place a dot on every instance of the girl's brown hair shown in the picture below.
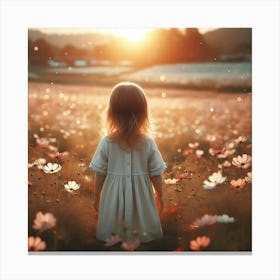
(127, 115)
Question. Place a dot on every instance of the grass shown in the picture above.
(70, 116)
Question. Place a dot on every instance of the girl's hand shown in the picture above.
(98, 184)
(161, 205)
(159, 202)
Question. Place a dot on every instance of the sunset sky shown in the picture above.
(132, 34)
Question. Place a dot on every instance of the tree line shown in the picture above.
(159, 46)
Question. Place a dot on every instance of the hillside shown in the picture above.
(230, 40)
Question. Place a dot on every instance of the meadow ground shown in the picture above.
(198, 133)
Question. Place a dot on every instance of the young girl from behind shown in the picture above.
(128, 168)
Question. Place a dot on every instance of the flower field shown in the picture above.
(205, 139)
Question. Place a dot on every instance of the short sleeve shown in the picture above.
(99, 162)
(156, 164)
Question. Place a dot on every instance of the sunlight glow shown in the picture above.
(131, 34)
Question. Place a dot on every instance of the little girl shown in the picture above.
(126, 162)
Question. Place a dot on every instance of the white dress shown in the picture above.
(127, 202)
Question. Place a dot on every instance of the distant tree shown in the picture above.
(30, 49)
(39, 51)
(245, 48)
(71, 51)
(196, 48)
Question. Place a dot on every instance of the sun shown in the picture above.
(131, 34)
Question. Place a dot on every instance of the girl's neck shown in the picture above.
(126, 141)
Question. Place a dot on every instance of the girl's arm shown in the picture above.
(98, 183)
(157, 183)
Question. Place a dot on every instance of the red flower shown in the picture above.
(179, 249)
(170, 211)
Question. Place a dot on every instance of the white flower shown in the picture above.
(71, 186)
(42, 142)
(40, 162)
(217, 178)
(248, 178)
(52, 148)
(171, 181)
(51, 168)
(209, 185)
(112, 240)
(241, 139)
(205, 220)
(224, 164)
(199, 153)
(226, 153)
(44, 221)
(225, 219)
(231, 145)
(243, 161)
(131, 245)
(36, 244)
(193, 145)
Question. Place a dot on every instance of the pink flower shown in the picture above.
(131, 245)
(248, 178)
(112, 240)
(200, 243)
(44, 221)
(188, 152)
(243, 161)
(36, 244)
(179, 249)
(57, 155)
(238, 184)
(185, 175)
